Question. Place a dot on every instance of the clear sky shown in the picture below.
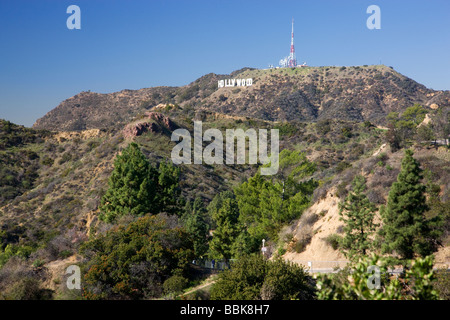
(144, 43)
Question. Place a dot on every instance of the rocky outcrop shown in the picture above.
(162, 119)
(154, 122)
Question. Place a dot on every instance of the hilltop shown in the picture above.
(287, 94)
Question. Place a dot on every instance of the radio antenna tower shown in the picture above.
(292, 60)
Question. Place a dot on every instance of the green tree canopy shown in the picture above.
(227, 228)
(403, 127)
(168, 193)
(131, 186)
(255, 278)
(137, 188)
(441, 124)
(425, 133)
(414, 114)
(216, 203)
(267, 203)
(132, 262)
(353, 282)
(196, 225)
(357, 212)
(405, 228)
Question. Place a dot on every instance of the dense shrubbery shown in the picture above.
(287, 129)
(12, 250)
(12, 135)
(442, 283)
(189, 93)
(19, 281)
(406, 128)
(354, 282)
(133, 262)
(17, 173)
(254, 278)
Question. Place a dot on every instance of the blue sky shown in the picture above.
(137, 44)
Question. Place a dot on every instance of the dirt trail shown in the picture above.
(209, 281)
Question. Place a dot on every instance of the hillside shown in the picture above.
(312, 233)
(304, 94)
(55, 174)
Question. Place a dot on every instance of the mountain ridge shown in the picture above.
(360, 93)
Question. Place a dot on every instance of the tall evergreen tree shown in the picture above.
(228, 228)
(196, 226)
(249, 196)
(167, 191)
(357, 212)
(131, 186)
(137, 188)
(216, 204)
(404, 225)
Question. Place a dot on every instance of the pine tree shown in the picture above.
(196, 226)
(244, 245)
(404, 222)
(265, 204)
(137, 188)
(357, 212)
(167, 191)
(216, 204)
(228, 228)
(131, 186)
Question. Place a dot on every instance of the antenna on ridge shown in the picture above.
(290, 61)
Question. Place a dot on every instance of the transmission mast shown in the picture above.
(292, 60)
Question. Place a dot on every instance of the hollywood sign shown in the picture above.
(235, 83)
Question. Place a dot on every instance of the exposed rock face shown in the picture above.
(154, 122)
(165, 121)
(136, 129)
